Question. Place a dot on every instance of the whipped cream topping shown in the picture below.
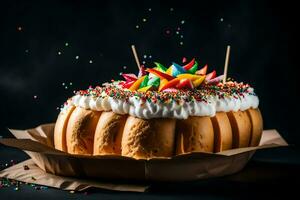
(139, 107)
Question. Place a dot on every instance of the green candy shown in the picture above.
(154, 81)
(145, 82)
(160, 67)
(193, 69)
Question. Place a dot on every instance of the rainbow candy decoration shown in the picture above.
(174, 78)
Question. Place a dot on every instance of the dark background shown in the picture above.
(33, 75)
(35, 79)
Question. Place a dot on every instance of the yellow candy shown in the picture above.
(145, 89)
(192, 77)
(137, 84)
(198, 81)
(169, 71)
(162, 83)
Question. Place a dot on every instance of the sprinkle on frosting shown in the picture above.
(229, 89)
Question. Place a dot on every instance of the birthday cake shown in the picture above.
(161, 112)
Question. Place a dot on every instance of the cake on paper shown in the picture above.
(161, 112)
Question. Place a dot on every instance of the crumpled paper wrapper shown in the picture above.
(38, 144)
(34, 174)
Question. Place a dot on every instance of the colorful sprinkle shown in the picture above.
(232, 89)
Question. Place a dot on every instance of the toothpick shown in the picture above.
(135, 56)
(226, 64)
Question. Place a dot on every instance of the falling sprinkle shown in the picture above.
(183, 59)
(35, 96)
(149, 9)
(16, 188)
(144, 62)
(26, 50)
(145, 56)
(221, 19)
(72, 191)
(70, 83)
(144, 19)
(181, 43)
(63, 84)
(66, 44)
(182, 22)
(59, 53)
(177, 32)
(120, 73)
(66, 87)
(76, 57)
(137, 26)
(181, 36)
(74, 91)
(171, 9)
(90, 61)
(124, 67)
(178, 28)
(57, 108)
(167, 32)
(19, 28)
(150, 56)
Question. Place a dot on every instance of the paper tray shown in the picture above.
(38, 144)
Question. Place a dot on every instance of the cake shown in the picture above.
(162, 112)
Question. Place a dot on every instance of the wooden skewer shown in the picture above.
(226, 64)
(136, 56)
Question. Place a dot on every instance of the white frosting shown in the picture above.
(144, 109)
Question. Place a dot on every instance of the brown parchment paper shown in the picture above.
(38, 144)
(37, 176)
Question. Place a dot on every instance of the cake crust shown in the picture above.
(61, 128)
(81, 130)
(256, 126)
(241, 128)
(108, 134)
(144, 139)
(222, 132)
(195, 134)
